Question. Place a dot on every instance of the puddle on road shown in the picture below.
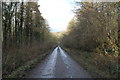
(48, 71)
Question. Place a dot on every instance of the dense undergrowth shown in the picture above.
(20, 57)
(21, 71)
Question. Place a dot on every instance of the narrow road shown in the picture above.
(58, 65)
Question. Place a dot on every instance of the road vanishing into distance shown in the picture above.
(58, 65)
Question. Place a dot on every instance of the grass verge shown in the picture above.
(21, 71)
(99, 66)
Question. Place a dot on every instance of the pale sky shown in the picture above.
(58, 13)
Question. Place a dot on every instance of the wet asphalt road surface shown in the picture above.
(58, 65)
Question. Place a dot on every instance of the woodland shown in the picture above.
(92, 35)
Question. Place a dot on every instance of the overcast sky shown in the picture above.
(58, 13)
